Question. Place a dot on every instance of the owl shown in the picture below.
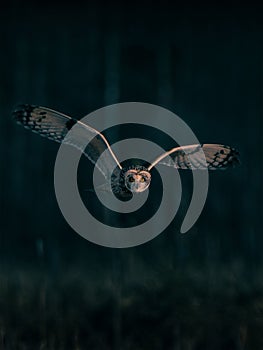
(131, 179)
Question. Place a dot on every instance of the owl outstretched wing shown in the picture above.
(55, 126)
(206, 156)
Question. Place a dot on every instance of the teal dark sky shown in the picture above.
(201, 61)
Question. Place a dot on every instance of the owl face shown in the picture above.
(137, 180)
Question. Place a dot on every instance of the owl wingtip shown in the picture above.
(235, 157)
(22, 112)
(23, 108)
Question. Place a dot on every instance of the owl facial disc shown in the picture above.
(137, 180)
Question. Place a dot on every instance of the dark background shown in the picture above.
(203, 290)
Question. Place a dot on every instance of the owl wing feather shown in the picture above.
(206, 156)
(55, 126)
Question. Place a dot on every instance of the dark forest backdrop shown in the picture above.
(203, 290)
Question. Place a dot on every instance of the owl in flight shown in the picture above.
(134, 178)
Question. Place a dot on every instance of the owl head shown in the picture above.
(137, 180)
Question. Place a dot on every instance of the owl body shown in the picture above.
(130, 180)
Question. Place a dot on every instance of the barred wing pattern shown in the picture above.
(191, 157)
(55, 126)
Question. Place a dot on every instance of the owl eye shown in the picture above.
(131, 179)
(142, 179)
